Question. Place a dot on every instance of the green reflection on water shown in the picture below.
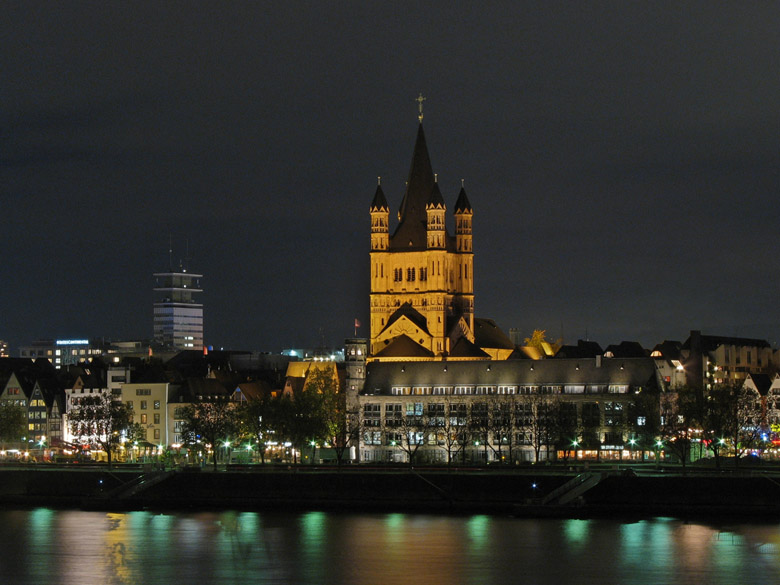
(394, 529)
(576, 532)
(477, 530)
(40, 531)
(40, 522)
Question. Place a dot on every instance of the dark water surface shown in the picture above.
(44, 546)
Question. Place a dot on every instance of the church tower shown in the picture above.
(422, 277)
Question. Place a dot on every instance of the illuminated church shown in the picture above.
(422, 276)
(434, 383)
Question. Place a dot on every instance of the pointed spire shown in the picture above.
(379, 202)
(436, 199)
(462, 205)
(412, 216)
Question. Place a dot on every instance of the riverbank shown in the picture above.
(530, 492)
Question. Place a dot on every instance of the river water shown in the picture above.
(44, 546)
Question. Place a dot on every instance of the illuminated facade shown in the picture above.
(422, 277)
(63, 352)
(178, 317)
(509, 410)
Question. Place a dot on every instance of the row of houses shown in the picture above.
(155, 392)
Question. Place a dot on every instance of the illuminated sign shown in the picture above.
(73, 342)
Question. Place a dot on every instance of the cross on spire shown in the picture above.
(420, 99)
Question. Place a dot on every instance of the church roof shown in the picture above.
(462, 204)
(464, 348)
(404, 346)
(379, 203)
(488, 334)
(408, 311)
(411, 231)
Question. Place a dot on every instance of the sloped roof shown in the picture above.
(525, 352)
(255, 390)
(194, 387)
(464, 348)
(404, 346)
(408, 311)
(626, 349)
(712, 342)
(488, 334)
(583, 349)
(671, 350)
(381, 376)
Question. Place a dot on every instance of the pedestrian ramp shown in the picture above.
(141, 483)
(572, 489)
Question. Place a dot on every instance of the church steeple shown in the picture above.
(435, 209)
(422, 284)
(411, 230)
(463, 214)
(380, 219)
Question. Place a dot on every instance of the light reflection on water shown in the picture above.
(81, 548)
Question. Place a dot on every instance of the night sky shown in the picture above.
(621, 159)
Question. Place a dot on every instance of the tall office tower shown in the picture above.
(178, 318)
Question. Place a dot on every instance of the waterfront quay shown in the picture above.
(544, 490)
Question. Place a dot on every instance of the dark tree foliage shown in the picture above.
(210, 423)
(13, 422)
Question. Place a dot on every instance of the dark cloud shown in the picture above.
(622, 160)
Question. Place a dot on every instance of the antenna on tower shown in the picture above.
(170, 252)
(187, 257)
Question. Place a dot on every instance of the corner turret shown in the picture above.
(380, 218)
(463, 215)
(435, 210)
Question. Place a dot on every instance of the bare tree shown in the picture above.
(455, 429)
(540, 420)
(100, 420)
(679, 410)
(502, 426)
(744, 420)
(414, 427)
(479, 426)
